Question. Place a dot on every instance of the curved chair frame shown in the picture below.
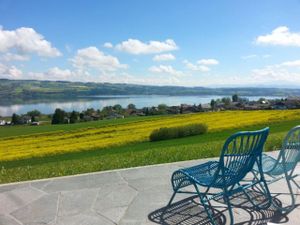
(240, 152)
(284, 166)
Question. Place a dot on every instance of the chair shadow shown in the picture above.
(186, 211)
(189, 212)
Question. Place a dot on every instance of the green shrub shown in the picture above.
(166, 133)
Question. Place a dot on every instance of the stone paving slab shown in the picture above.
(126, 197)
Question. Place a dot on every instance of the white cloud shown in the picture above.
(208, 62)
(10, 72)
(254, 56)
(280, 36)
(195, 67)
(295, 63)
(92, 57)
(14, 57)
(54, 73)
(163, 57)
(166, 70)
(136, 47)
(270, 74)
(284, 73)
(142, 79)
(26, 40)
(266, 56)
(108, 45)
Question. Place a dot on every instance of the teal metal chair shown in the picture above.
(239, 154)
(283, 167)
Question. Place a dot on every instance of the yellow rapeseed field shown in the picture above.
(137, 131)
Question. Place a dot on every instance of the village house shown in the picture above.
(2, 122)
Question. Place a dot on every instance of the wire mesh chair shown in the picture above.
(238, 156)
(285, 164)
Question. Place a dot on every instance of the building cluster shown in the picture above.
(117, 112)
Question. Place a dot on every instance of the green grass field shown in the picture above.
(131, 155)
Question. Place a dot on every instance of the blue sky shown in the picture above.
(187, 43)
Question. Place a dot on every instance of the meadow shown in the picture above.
(104, 145)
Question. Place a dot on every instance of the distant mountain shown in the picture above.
(26, 90)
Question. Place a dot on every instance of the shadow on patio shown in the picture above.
(189, 212)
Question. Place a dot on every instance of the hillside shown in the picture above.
(26, 90)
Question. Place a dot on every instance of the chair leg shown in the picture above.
(263, 184)
(248, 197)
(172, 198)
(298, 186)
(287, 209)
(227, 201)
(267, 193)
(292, 206)
(206, 207)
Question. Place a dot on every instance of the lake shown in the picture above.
(98, 102)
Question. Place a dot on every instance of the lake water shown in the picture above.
(98, 102)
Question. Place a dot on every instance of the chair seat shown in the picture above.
(203, 174)
(271, 167)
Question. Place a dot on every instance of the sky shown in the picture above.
(224, 43)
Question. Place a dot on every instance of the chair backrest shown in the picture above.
(239, 154)
(290, 153)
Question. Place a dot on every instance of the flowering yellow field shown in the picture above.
(137, 131)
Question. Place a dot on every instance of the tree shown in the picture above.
(34, 113)
(89, 111)
(33, 118)
(200, 108)
(235, 98)
(162, 108)
(261, 100)
(106, 111)
(213, 104)
(181, 109)
(58, 117)
(81, 116)
(15, 119)
(117, 108)
(73, 117)
(146, 111)
(131, 106)
(226, 100)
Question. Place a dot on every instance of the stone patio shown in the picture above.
(129, 196)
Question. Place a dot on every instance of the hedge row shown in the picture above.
(166, 133)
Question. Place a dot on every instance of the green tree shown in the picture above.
(213, 104)
(162, 108)
(106, 110)
(181, 109)
(235, 98)
(34, 113)
(200, 108)
(131, 106)
(73, 117)
(81, 116)
(58, 117)
(15, 119)
(89, 111)
(118, 108)
(33, 118)
(146, 111)
(226, 100)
